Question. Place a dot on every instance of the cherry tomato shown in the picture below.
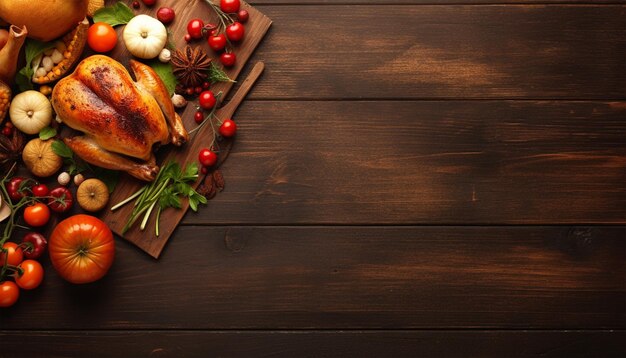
(235, 31)
(187, 37)
(229, 6)
(207, 100)
(37, 215)
(32, 275)
(149, 2)
(13, 255)
(207, 158)
(101, 37)
(217, 42)
(61, 201)
(9, 293)
(198, 117)
(81, 249)
(243, 16)
(40, 190)
(194, 28)
(166, 15)
(228, 128)
(228, 59)
(35, 245)
(16, 188)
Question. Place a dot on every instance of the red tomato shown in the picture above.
(32, 275)
(235, 31)
(81, 249)
(207, 100)
(228, 59)
(243, 16)
(11, 254)
(40, 190)
(61, 201)
(228, 128)
(34, 245)
(194, 28)
(230, 6)
(37, 215)
(16, 188)
(207, 158)
(217, 42)
(166, 15)
(9, 293)
(101, 37)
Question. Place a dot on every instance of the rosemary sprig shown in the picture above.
(164, 192)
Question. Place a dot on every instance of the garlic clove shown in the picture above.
(47, 63)
(56, 56)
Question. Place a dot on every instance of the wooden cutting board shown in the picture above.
(256, 28)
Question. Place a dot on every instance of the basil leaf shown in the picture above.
(165, 72)
(47, 133)
(62, 150)
(118, 14)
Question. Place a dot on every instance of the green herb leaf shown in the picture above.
(164, 71)
(216, 74)
(118, 14)
(32, 49)
(47, 133)
(62, 150)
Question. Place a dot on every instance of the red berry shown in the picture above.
(206, 85)
(235, 31)
(198, 89)
(207, 100)
(207, 158)
(243, 16)
(166, 15)
(187, 37)
(136, 4)
(228, 59)
(217, 42)
(204, 170)
(7, 131)
(194, 28)
(198, 117)
(149, 2)
(228, 128)
(230, 6)
(189, 91)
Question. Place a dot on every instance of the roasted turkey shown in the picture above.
(121, 119)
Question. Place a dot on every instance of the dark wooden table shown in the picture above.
(411, 179)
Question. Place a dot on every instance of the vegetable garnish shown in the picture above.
(118, 14)
(164, 192)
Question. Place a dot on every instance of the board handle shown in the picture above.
(229, 109)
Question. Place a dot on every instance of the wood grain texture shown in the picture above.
(483, 344)
(256, 28)
(446, 162)
(408, 52)
(348, 278)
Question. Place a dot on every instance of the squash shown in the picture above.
(40, 159)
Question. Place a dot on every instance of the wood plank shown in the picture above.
(315, 344)
(430, 2)
(560, 51)
(430, 162)
(349, 278)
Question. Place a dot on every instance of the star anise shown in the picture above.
(190, 66)
(10, 149)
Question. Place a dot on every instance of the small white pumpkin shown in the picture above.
(30, 112)
(145, 36)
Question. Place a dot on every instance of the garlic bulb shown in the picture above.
(179, 101)
(145, 36)
(30, 112)
(64, 178)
